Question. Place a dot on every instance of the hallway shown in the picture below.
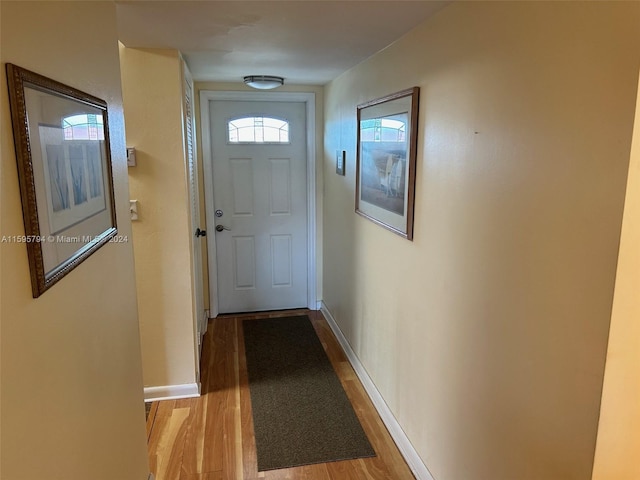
(211, 437)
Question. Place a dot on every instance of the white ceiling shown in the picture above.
(305, 41)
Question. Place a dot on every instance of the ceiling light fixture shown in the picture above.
(263, 82)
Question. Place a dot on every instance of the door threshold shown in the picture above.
(267, 313)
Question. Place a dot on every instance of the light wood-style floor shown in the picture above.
(211, 437)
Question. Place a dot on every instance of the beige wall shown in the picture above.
(319, 93)
(618, 446)
(152, 91)
(487, 334)
(72, 405)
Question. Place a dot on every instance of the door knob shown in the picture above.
(200, 233)
(220, 228)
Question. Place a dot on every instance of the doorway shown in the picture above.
(260, 198)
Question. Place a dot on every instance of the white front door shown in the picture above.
(259, 173)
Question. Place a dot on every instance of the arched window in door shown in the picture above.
(258, 129)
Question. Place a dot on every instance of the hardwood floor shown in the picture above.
(211, 437)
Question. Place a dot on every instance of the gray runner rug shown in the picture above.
(301, 414)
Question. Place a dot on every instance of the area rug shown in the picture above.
(301, 413)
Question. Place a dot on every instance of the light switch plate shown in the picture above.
(341, 158)
(133, 209)
(131, 157)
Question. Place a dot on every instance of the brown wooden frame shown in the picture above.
(93, 230)
(403, 103)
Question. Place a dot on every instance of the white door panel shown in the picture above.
(194, 207)
(261, 192)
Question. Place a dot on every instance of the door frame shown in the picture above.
(197, 278)
(309, 99)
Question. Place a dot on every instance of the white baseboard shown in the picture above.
(171, 392)
(409, 453)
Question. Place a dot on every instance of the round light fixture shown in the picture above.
(263, 82)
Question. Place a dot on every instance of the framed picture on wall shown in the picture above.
(61, 137)
(386, 160)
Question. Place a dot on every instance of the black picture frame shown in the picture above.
(386, 160)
